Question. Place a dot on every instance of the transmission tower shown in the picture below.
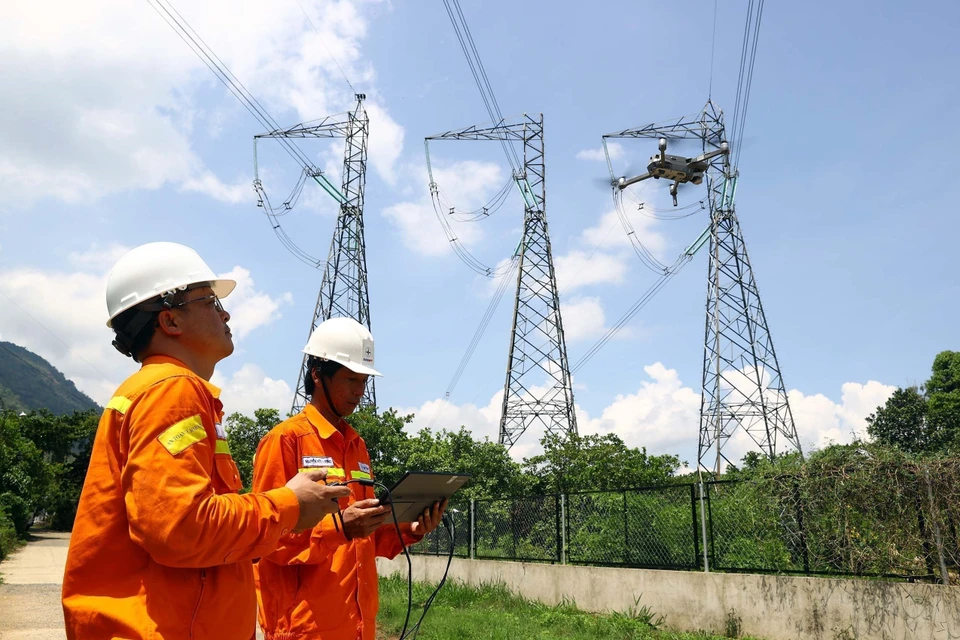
(537, 392)
(742, 387)
(343, 290)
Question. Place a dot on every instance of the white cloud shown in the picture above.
(614, 148)
(582, 318)
(249, 389)
(609, 233)
(249, 308)
(61, 316)
(386, 142)
(663, 415)
(481, 421)
(100, 98)
(97, 258)
(212, 186)
(821, 422)
(467, 185)
(443, 414)
(578, 269)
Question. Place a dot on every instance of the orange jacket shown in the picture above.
(162, 546)
(318, 584)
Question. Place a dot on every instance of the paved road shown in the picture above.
(30, 593)
(30, 596)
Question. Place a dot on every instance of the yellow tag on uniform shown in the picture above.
(183, 434)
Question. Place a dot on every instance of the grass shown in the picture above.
(491, 612)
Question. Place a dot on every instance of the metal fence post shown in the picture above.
(473, 525)
(626, 533)
(703, 528)
(563, 528)
(513, 524)
(693, 523)
(797, 497)
(936, 529)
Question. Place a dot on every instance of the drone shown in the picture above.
(677, 168)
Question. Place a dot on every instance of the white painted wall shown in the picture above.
(771, 607)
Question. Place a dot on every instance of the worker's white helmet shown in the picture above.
(155, 269)
(346, 341)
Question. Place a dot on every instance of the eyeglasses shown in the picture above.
(212, 296)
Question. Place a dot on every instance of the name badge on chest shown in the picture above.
(317, 461)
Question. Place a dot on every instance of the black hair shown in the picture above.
(135, 327)
(326, 369)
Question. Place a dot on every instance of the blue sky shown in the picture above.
(114, 134)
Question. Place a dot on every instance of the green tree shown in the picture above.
(244, 434)
(493, 474)
(595, 463)
(386, 441)
(902, 423)
(943, 398)
(25, 478)
(393, 452)
(79, 429)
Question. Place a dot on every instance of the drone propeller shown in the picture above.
(684, 146)
(607, 183)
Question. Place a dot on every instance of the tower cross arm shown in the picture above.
(335, 126)
(506, 129)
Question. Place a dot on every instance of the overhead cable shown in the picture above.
(505, 281)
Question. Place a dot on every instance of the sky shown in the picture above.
(114, 134)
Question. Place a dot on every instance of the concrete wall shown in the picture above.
(771, 607)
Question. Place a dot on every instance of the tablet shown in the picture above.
(418, 490)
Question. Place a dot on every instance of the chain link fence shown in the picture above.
(437, 542)
(525, 528)
(651, 528)
(899, 522)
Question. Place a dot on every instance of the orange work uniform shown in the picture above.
(318, 584)
(162, 546)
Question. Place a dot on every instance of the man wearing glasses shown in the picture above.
(162, 545)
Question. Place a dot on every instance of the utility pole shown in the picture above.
(742, 387)
(538, 392)
(343, 290)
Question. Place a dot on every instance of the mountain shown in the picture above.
(28, 382)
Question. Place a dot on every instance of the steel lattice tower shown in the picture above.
(742, 388)
(538, 391)
(343, 290)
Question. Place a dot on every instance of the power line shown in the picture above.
(192, 39)
(58, 338)
(628, 315)
(203, 51)
(477, 336)
(469, 48)
(713, 48)
(324, 43)
(748, 56)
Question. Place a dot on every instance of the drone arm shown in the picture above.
(723, 150)
(624, 183)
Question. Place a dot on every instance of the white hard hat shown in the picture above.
(154, 269)
(346, 341)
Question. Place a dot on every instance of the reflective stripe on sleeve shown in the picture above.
(119, 404)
